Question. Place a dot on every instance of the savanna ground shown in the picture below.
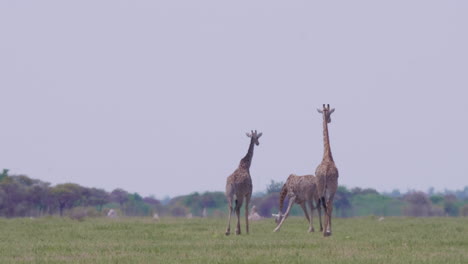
(142, 240)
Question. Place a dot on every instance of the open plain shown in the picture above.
(169, 240)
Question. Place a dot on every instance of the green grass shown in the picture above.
(139, 240)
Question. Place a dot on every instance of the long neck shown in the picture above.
(247, 160)
(327, 155)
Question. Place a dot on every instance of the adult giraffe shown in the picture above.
(303, 191)
(327, 173)
(239, 186)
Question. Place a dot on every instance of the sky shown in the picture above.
(155, 97)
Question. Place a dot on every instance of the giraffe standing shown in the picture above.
(239, 185)
(301, 190)
(327, 173)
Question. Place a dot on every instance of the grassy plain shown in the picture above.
(140, 240)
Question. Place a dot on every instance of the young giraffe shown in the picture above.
(239, 184)
(327, 173)
(300, 190)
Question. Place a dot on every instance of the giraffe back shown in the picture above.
(239, 183)
(304, 188)
(327, 178)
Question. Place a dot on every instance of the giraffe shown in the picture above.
(301, 190)
(327, 173)
(239, 186)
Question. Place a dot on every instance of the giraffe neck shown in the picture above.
(327, 155)
(247, 160)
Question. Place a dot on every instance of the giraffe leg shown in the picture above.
(304, 208)
(319, 209)
(306, 214)
(247, 200)
(325, 207)
(238, 207)
(291, 202)
(328, 230)
(228, 229)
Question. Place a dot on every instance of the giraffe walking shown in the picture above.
(301, 190)
(327, 173)
(239, 186)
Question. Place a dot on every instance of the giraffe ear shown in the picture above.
(320, 111)
(259, 135)
(332, 110)
(248, 135)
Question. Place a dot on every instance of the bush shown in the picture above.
(464, 210)
(78, 213)
(437, 211)
(418, 204)
(179, 211)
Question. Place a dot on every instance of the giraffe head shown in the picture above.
(326, 111)
(253, 134)
(278, 217)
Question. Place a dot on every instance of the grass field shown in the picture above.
(140, 240)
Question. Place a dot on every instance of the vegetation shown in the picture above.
(178, 240)
(21, 196)
(44, 235)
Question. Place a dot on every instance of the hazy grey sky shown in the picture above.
(156, 96)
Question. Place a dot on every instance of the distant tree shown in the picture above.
(179, 211)
(360, 191)
(155, 204)
(18, 193)
(356, 190)
(13, 193)
(464, 210)
(151, 200)
(135, 206)
(396, 193)
(342, 201)
(207, 200)
(436, 199)
(38, 196)
(191, 199)
(28, 196)
(85, 199)
(462, 194)
(371, 203)
(450, 207)
(418, 204)
(193, 202)
(4, 174)
(119, 196)
(274, 187)
(98, 197)
(267, 204)
(2, 201)
(166, 200)
(431, 191)
(214, 200)
(66, 195)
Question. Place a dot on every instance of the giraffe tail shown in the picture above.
(324, 204)
(322, 197)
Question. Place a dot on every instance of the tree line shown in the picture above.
(22, 196)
